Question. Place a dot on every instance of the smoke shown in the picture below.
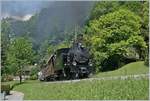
(22, 10)
(62, 16)
(53, 18)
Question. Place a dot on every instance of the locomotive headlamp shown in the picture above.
(91, 64)
(74, 63)
(82, 46)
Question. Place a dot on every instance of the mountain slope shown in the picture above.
(53, 21)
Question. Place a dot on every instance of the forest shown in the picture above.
(115, 32)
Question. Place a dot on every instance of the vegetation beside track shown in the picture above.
(131, 89)
(134, 68)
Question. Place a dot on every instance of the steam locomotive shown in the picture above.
(68, 63)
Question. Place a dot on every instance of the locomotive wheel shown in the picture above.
(85, 76)
(50, 79)
(67, 72)
(71, 75)
(61, 77)
(74, 76)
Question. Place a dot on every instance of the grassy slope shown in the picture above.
(129, 69)
(102, 89)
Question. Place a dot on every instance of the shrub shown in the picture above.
(5, 88)
(10, 78)
(34, 71)
(2, 78)
(146, 62)
(5, 78)
(28, 78)
(33, 77)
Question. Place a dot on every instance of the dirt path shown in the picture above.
(104, 78)
(14, 96)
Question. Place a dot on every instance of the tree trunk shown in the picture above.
(20, 76)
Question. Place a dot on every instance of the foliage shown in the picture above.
(33, 77)
(19, 54)
(146, 62)
(11, 83)
(140, 8)
(50, 49)
(113, 35)
(6, 77)
(103, 7)
(5, 88)
(6, 35)
(47, 48)
(129, 89)
(145, 21)
(34, 71)
(135, 68)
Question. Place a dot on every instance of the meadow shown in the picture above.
(116, 89)
(130, 89)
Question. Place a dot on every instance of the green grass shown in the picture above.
(98, 90)
(130, 89)
(129, 69)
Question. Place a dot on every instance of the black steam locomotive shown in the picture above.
(78, 64)
(68, 63)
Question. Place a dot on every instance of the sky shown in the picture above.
(23, 9)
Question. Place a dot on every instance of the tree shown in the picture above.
(19, 55)
(103, 7)
(140, 8)
(113, 36)
(145, 21)
(6, 34)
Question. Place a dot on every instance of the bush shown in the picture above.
(6, 88)
(28, 78)
(34, 71)
(5, 78)
(33, 77)
(10, 78)
(2, 78)
(146, 62)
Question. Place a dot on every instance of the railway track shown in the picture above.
(104, 78)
